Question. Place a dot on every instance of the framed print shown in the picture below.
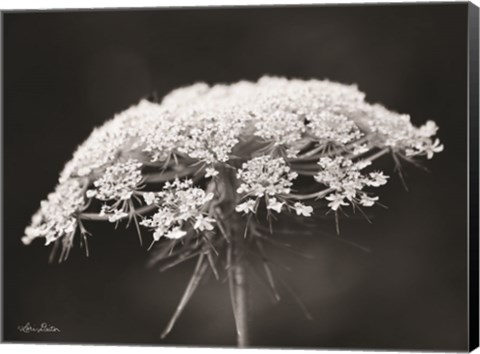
(253, 176)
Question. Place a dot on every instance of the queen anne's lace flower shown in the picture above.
(56, 216)
(179, 203)
(275, 205)
(302, 209)
(397, 132)
(377, 179)
(332, 127)
(119, 181)
(345, 178)
(210, 172)
(281, 127)
(120, 136)
(213, 139)
(174, 233)
(336, 201)
(112, 213)
(265, 175)
(149, 197)
(367, 201)
(426, 147)
(269, 131)
(194, 169)
(246, 207)
(206, 123)
(203, 223)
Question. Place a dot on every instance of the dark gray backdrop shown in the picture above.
(66, 72)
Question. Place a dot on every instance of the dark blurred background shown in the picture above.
(66, 72)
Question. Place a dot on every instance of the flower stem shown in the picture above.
(241, 299)
(236, 263)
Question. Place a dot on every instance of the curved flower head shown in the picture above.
(163, 165)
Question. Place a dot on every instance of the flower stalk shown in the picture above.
(241, 298)
(227, 183)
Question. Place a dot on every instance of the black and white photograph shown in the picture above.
(261, 176)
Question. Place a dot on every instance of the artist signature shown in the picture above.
(43, 328)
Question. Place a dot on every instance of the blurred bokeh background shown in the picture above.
(66, 72)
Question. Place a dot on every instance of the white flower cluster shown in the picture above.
(207, 123)
(178, 203)
(264, 175)
(280, 127)
(118, 182)
(56, 216)
(250, 206)
(345, 179)
(212, 140)
(274, 109)
(283, 128)
(115, 212)
(397, 132)
(271, 178)
(118, 137)
(332, 127)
